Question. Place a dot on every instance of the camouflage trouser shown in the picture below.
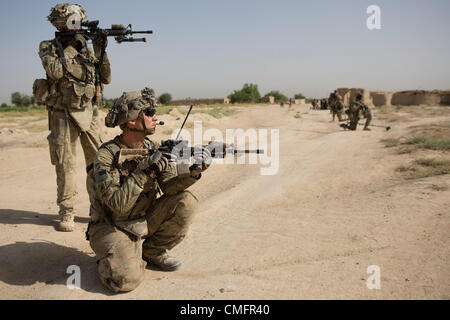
(353, 122)
(62, 142)
(368, 116)
(337, 112)
(120, 255)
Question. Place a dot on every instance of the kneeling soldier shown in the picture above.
(140, 207)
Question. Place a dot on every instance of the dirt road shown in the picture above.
(335, 207)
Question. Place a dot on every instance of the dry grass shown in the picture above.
(426, 167)
(425, 137)
(160, 110)
(216, 111)
(409, 113)
(391, 142)
(436, 187)
(27, 112)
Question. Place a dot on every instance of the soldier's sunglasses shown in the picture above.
(149, 112)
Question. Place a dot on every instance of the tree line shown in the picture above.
(248, 94)
(23, 100)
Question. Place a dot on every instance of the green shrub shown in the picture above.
(299, 96)
(279, 97)
(165, 98)
(108, 103)
(248, 94)
(21, 100)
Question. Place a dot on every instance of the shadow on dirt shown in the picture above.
(28, 263)
(10, 216)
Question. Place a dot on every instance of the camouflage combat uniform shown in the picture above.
(73, 106)
(130, 220)
(356, 109)
(367, 114)
(336, 105)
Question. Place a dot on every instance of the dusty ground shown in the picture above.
(336, 206)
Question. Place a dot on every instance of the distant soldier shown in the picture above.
(324, 104)
(314, 104)
(367, 114)
(357, 108)
(72, 93)
(336, 105)
(140, 207)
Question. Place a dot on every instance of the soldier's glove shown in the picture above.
(99, 43)
(202, 161)
(157, 162)
(70, 52)
(78, 42)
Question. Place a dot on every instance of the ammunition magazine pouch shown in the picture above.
(40, 90)
(45, 92)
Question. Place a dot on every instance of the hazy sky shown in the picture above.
(208, 48)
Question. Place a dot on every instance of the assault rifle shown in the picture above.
(182, 151)
(93, 32)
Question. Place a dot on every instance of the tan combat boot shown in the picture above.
(66, 223)
(366, 129)
(163, 262)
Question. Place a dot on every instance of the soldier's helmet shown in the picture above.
(129, 106)
(63, 15)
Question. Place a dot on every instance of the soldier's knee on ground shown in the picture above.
(120, 264)
(121, 275)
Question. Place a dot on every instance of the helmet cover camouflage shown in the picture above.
(61, 13)
(129, 106)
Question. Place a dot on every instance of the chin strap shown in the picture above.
(146, 130)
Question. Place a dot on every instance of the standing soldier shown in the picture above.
(72, 93)
(140, 207)
(291, 101)
(324, 104)
(367, 114)
(336, 105)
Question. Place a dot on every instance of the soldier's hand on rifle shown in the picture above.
(99, 43)
(157, 161)
(78, 42)
(70, 52)
(202, 161)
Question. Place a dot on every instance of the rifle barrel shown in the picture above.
(248, 151)
(146, 32)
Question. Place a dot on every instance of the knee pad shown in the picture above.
(118, 277)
